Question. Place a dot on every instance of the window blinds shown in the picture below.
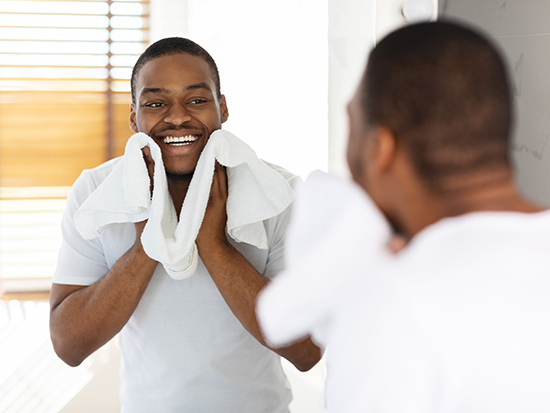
(65, 67)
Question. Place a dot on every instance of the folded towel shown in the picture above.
(336, 234)
(256, 192)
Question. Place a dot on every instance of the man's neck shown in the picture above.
(489, 193)
(177, 186)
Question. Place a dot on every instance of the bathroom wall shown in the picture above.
(354, 27)
(351, 35)
(522, 29)
(273, 63)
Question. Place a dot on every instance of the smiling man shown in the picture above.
(191, 345)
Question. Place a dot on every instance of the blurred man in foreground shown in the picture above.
(459, 319)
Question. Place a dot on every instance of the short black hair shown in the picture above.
(170, 46)
(442, 88)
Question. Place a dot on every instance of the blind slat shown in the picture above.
(124, 34)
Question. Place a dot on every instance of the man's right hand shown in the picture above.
(150, 165)
(397, 243)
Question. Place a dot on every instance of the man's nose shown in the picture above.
(177, 115)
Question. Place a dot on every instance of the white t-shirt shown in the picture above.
(183, 350)
(460, 322)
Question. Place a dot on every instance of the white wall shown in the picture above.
(288, 68)
(354, 28)
(273, 62)
(351, 36)
(521, 28)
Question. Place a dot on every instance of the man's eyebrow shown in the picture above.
(154, 90)
(202, 85)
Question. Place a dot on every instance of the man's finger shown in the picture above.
(150, 163)
(147, 155)
(221, 177)
(397, 244)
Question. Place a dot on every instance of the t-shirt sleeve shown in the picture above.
(80, 261)
(276, 229)
(275, 259)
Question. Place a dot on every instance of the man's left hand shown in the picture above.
(212, 231)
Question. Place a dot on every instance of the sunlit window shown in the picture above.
(70, 45)
(64, 103)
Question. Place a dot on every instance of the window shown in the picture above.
(65, 67)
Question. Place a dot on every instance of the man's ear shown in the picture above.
(223, 109)
(386, 148)
(133, 125)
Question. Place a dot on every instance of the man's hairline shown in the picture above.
(133, 93)
(195, 86)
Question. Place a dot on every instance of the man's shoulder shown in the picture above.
(479, 247)
(100, 172)
(291, 178)
(95, 176)
(90, 179)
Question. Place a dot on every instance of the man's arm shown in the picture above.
(84, 318)
(237, 280)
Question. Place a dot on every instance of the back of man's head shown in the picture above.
(442, 89)
(170, 46)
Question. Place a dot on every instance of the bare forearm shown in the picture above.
(237, 280)
(88, 317)
(240, 284)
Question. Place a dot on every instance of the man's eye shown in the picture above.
(198, 101)
(153, 105)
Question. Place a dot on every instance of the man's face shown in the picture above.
(356, 141)
(177, 106)
(362, 152)
(365, 158)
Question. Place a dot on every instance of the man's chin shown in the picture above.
(179, 175)
(183, 169)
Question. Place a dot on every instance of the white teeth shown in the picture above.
(180, 140)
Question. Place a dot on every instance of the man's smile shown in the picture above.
(180, 140)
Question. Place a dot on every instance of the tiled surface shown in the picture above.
(522, 29)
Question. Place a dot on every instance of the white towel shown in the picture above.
(335, 235)
(256, 192)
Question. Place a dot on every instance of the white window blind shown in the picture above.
(65, 69)
(70, 45)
